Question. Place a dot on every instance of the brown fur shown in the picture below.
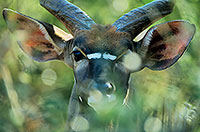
(103, 37)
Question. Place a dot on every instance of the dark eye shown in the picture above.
(78, 56)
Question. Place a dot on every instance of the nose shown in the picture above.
(110, 88)
(106, 88)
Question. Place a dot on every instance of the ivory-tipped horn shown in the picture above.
(70, 15)
(138, 19)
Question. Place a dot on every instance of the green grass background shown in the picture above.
(27, 104)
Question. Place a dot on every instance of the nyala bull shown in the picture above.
(102, 57)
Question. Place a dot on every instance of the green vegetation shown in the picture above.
(34, 96)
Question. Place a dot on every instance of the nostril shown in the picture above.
(110, 88)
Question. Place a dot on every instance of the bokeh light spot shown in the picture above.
(95, 97)
(49, 77)
(79, 123)
(152, 124)
(132, 61)
(96, 100)
(25, 78)
(21, 35)
(120, 5)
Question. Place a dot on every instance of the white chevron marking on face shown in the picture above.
(105, 56)
(109, 56)
(94, 56)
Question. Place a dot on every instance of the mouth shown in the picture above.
(103, 102)
(99, 102)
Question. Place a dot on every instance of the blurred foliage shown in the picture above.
(34, 96)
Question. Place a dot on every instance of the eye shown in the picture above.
(78, 54)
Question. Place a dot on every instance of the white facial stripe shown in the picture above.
(94, 56)
(106, 56)
(109, 56)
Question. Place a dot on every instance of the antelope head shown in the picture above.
(102, 57)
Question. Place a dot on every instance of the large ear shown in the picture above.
(164, 44)
(41, 41)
